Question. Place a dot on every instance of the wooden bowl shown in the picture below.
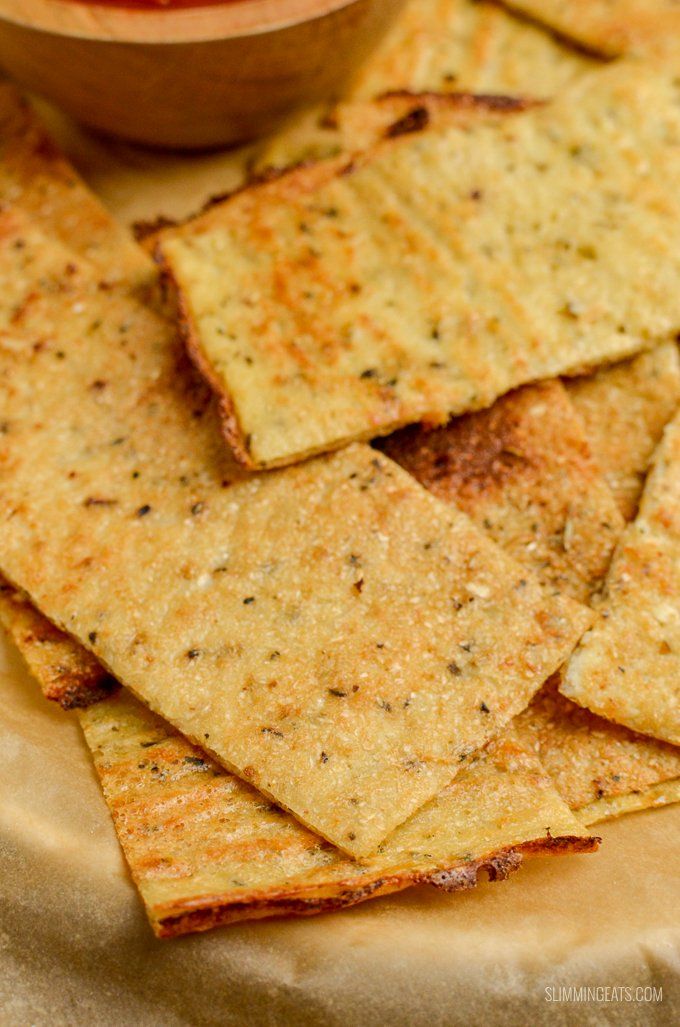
(199, 77)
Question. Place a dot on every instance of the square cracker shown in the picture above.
(343, 301)
(523, 471)
(332, 633)
(648, 28)
(628, 666)
(206, 849)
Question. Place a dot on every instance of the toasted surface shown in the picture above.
(204, 848)
(311, 304)
(458, 44)
(628, 666)
(649, 28)
(320, 610)
(523, 471)
(35, 175)
(593, 763)
(625, 409)
(67, 673)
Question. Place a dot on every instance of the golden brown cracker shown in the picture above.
(343, 302)
(205, 849)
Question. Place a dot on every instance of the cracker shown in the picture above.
(648, 28)
(206, 849)
(343, 301)
(628, 666)
(35, 175)
(625, 409)
(68, 674)
(332, 633)
(524, 472)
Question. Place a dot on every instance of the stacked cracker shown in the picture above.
(363, 663)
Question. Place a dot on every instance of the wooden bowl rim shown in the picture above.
(189, 25)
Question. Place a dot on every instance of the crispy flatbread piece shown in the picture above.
(343, 301)
(68, 674)
(628, 666)
(649, 28)
(524, 472)
(600, 769)
(332, 633)
(625, 409)
(458, 44)
(35, 175)
(206, 849)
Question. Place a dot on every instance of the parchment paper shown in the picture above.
(75, 947)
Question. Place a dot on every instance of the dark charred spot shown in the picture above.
(415, 121)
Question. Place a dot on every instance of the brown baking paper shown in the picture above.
(75, 947)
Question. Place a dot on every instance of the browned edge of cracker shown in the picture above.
(216, 911)
(235, 437)
(80, 680)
